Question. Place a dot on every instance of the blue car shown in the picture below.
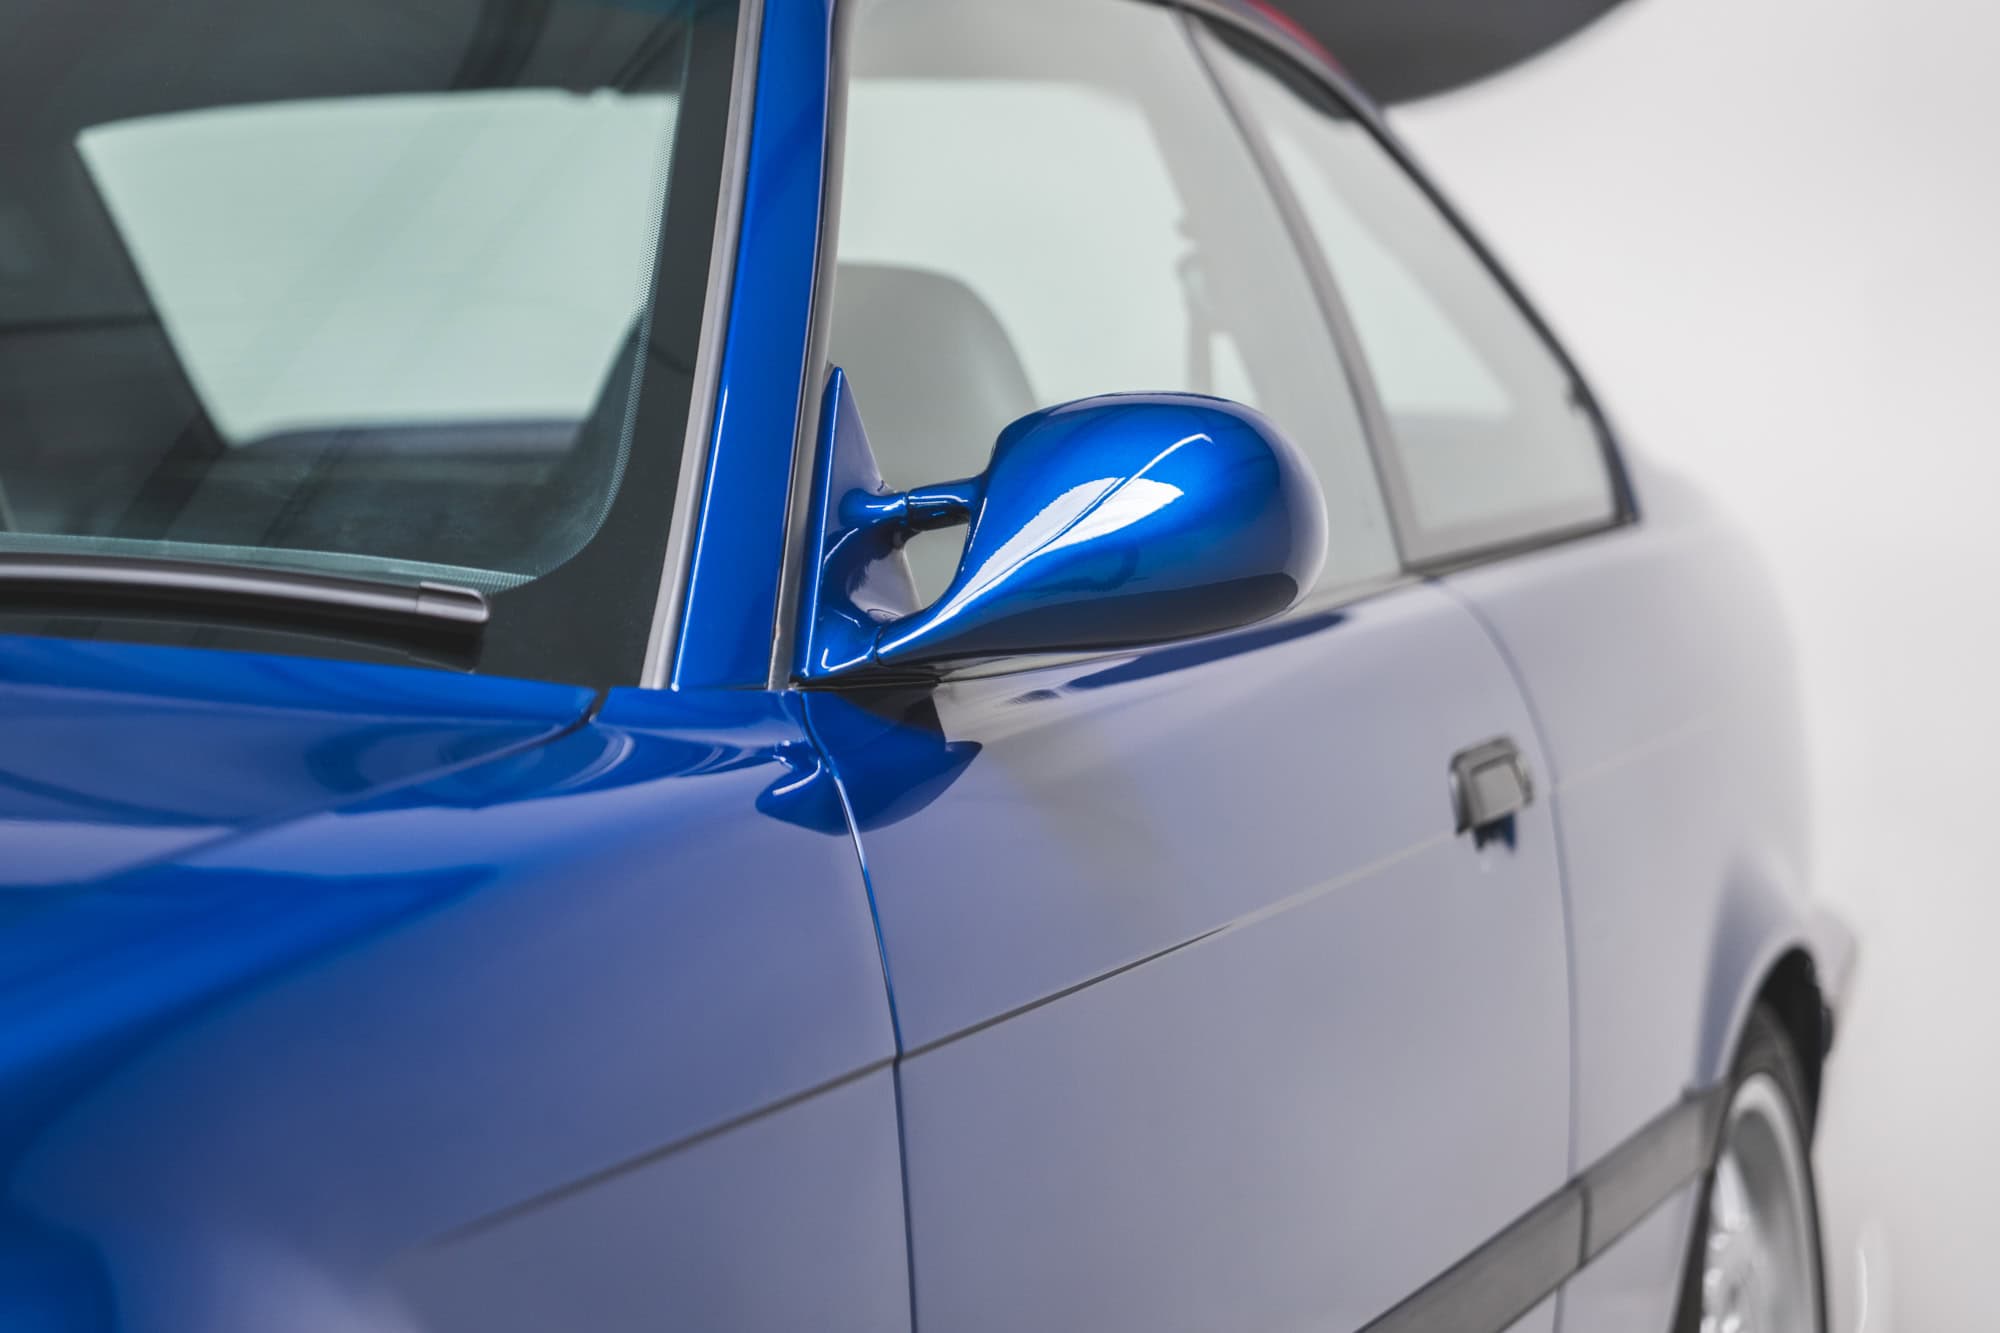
(895, 664)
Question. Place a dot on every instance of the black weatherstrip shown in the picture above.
(1513, 1272)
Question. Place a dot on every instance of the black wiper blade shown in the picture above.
(112, 580)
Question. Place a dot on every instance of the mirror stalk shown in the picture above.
(1109, 522)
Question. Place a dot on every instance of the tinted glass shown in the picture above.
(1493, 440)
(1045, 200)
(361, 288)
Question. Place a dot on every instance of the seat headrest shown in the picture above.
(933, 370)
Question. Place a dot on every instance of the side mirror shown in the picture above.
(1104, 523)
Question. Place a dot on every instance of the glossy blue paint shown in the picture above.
(113, 755)
(733, 576)
(1111, 521)
(1209, 1019)
(857, 577)
(294, 1072)
(788, 1222)
(1148, 991)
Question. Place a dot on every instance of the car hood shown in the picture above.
(296, 976)
(117, 755)
(117, 761)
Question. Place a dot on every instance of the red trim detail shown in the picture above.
(1280, 19)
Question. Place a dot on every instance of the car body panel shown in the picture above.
(1656, 661)
(461, 1000)
(113, 755)
(791, 1221)
(363, 997)
(1209, 1018)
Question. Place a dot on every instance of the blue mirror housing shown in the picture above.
(1108, 522)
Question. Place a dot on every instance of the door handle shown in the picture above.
(1490, 783)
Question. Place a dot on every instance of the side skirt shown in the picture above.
(1511, 1273)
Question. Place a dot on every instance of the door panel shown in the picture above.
(1651, 652)
(1209, 1018)
(1658, 667)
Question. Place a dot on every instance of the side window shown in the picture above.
(1044, 200)
(1494, 442)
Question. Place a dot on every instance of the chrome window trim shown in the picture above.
(663, 637)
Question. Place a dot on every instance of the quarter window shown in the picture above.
(1492, 438)
(1045, 200)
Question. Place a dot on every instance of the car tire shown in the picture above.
(1754, 1262)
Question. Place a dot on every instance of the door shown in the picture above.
(1644, 648)
(1209, 1016)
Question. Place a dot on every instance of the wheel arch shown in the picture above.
(1791, 991)
(1774, 947)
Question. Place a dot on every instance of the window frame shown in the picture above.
(667, 628)
(819, 341)
(1202, 21)
(1465, 545)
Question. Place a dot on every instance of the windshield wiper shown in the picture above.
(424, 609)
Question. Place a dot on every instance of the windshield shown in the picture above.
(397, 289)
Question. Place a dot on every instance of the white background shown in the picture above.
(1771, 233)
